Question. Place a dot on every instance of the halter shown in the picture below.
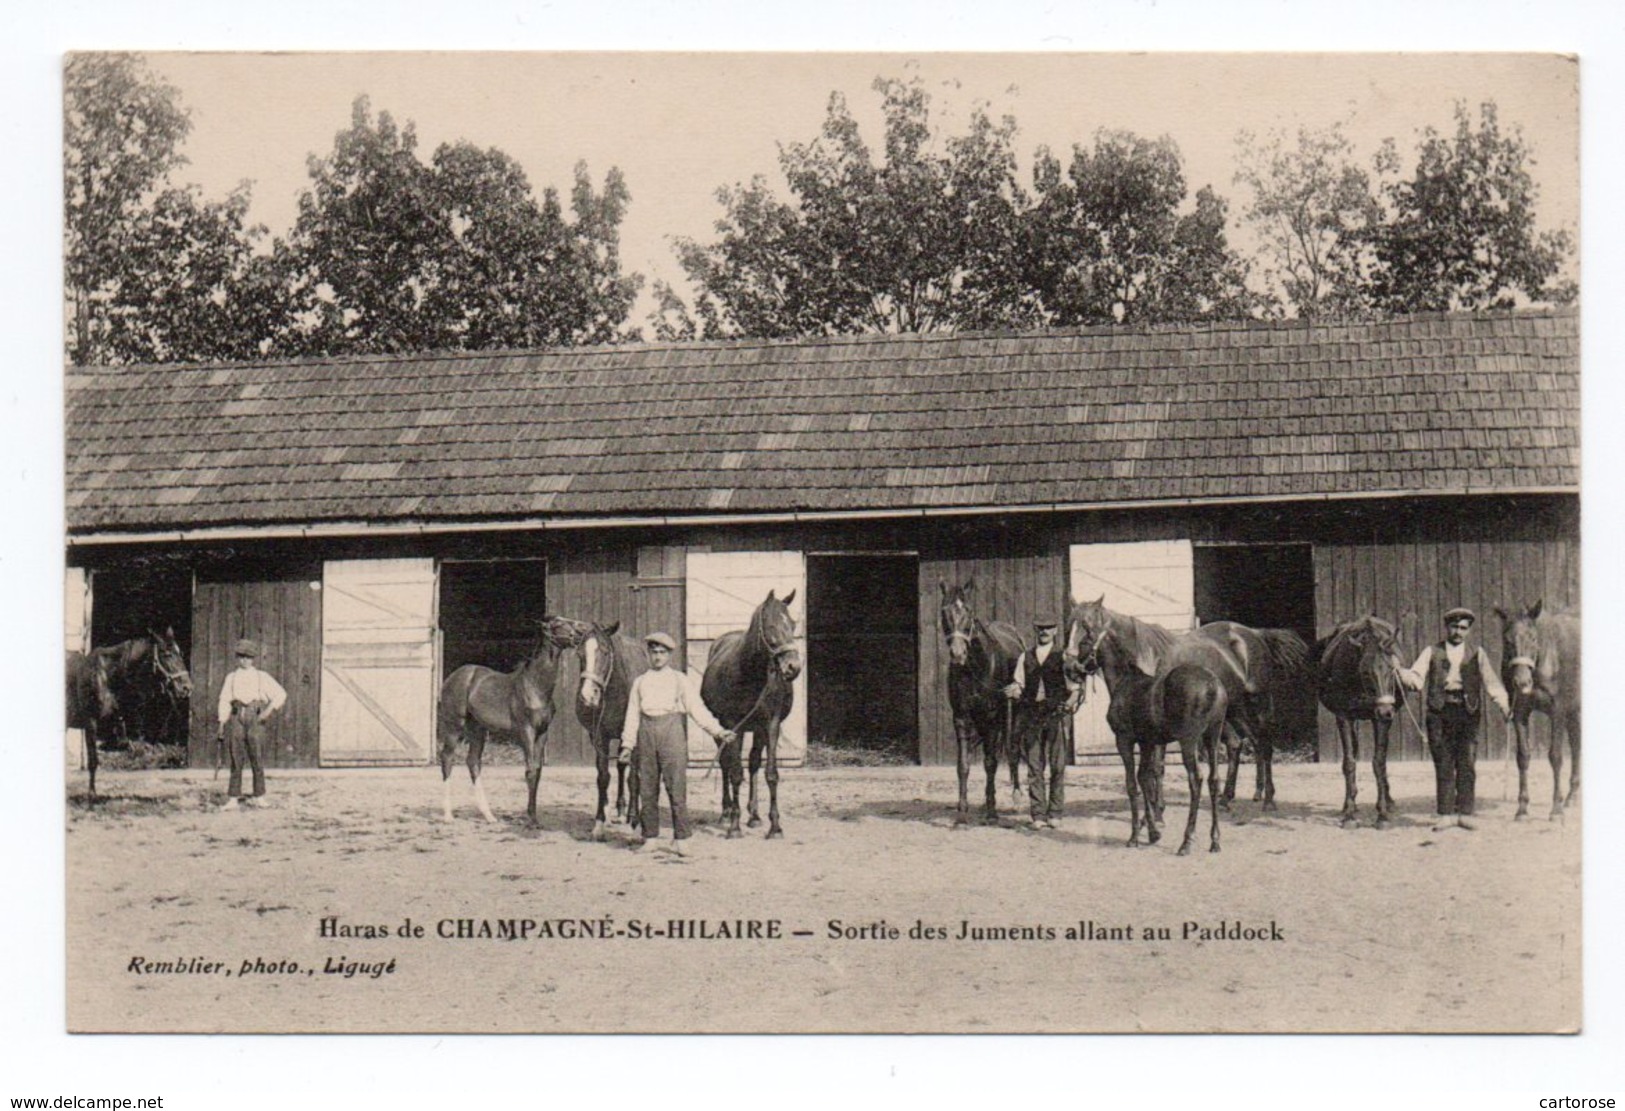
(1521, 661)
(1091, 662)
(171, 680)
(587, 677)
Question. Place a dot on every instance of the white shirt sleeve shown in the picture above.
(1415, 677)
(1492, 683)
(695, 705)
(634, 715)
(224, 709)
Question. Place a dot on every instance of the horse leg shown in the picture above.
(1554, 753)
(962, 745)
(1381, 730)
(1233, 773)
(601, 745)
(1151, 759)
(1348, 741)
(1520, 736)
(773, 827)
(755, 768)
(994, 741)
(733, 778)
(91, 756)
(532, 741)
(1193, 778)
(1264, 753)
(1211, 743)
(1131, 783)
(1571, 726)
(476, 754)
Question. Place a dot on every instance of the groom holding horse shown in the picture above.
(1044, 696)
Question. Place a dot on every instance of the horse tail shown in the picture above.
(1293, 681)
(1288, 654)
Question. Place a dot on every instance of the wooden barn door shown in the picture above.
(378, 662)
(1153, 580)
(723, 590)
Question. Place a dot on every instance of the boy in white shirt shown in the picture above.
(248, 698)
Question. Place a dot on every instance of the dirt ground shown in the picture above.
(183, 917)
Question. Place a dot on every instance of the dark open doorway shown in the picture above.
(862, 654)
(491, 612)
(153, 596)
(1266, 586)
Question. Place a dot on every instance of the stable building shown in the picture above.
(377, 522)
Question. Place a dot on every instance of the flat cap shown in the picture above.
(662, 640)
(246, 647)
(1047, 623)
(1459, 613)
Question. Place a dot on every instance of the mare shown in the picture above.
(1278, 688)
(610, 660)
(475, 700)
(1163, 689)
(1357, 670)
(1540, 666)
(982, 658)
(154, 660)
(747, 685)
(90, 702)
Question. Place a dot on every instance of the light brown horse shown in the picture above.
(475, 700)
(1540, 665)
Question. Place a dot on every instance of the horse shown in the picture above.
(1162, 689)
(93, 679)
(136, 688)
(475, 700)
(1277, 680)
(1540, 666)
(610, 661)
(747, 685)
(982, 657)
(1357, 669)
(90, 701)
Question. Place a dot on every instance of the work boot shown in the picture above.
(230, 803)
(1446, 821)
(1466, 822)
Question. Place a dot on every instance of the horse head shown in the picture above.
(596, 655)
(1087, 625)
(1379, 666)
(170, 663)
(958, 621)
(1520, 647)
(778, 632)
(564, 632)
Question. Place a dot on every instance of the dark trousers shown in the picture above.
(245, 736)
(1043, 740)
(663, 759)
(1453, 739)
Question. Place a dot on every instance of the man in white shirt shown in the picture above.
(1044, 696)
(1456, 680)
(248, 698)
(660, 700)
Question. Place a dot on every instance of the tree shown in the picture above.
(924, 239)
(152, 271)
(389, 254)
(1107, 242)
(1461, 234)
(1312, 207)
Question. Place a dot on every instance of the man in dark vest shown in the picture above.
(1043, 697)
(1456, 680)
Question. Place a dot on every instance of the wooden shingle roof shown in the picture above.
(1096, 416)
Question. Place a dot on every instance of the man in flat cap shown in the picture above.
(1044, 697)
(1456, 680)
(661, 699)
(248, 698)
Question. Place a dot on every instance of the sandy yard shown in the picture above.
(183, 917)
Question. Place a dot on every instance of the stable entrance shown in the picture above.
(862, 649)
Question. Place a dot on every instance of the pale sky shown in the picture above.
(680, 125)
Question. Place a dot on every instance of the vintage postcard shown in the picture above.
(822, 543)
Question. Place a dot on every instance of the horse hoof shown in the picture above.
(1224, 804)
(775, 832)
(733, 835)
(1350, 822)
(1521, 816)
(1214, 847)
(598, 833)
(754, 822)
(1184, 850)
(1383, 823)
(1270, 807)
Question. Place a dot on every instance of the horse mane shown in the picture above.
(1145, 642)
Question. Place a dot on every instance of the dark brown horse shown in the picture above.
(1163, 689)
(1540, 665)
(1357, 678)
(610, 661)
(982, 657)
(475, 700)
(747, 685)
(152, 661)
(1277, 695)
